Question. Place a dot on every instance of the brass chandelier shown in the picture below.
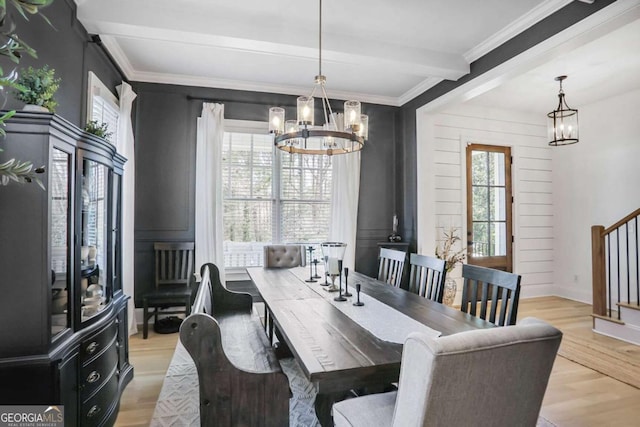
(340, 134)
(562, 122)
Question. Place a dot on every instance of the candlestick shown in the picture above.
(358, 303)
(315, 269)
(346, 285)
(340, 297)
(310, 279)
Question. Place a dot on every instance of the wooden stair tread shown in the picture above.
(610, 319)
(631, 306)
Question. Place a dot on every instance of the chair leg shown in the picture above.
(145, 320)
(270, 330)
(187, 309)
(266, 319)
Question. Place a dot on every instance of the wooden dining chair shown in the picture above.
(173, 278)
(493, 290)
(426, 277)
(391, 266)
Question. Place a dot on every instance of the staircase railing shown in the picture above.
(615, 259)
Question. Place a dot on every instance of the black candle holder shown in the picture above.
(346, 284)
(358, 303)
(326, 272)
(310, 279)
(315, 269)
(340, 297)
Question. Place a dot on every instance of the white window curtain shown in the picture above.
(345, 191)
(209, 204)
(125, 146)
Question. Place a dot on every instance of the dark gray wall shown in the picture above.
(165, 132)
(67, 49)
(406, 150)
(165, 123)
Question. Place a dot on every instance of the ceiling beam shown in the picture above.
(386, 57)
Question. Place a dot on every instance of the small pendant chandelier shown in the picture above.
(340, 134)
(563, 121)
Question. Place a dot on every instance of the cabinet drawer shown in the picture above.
(94, 374)
(97, 407)
(97, 343)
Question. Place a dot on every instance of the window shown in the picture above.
(270, 196)
(103, 106)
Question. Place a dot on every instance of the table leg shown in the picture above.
(323, 404)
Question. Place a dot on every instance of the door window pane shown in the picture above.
(480, 201)
(497, 204)
(498, 239)
(479, 168)
(496, 168)
(480, 246)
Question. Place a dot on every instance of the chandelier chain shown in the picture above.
(320, 39)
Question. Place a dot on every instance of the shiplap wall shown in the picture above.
(442, 139)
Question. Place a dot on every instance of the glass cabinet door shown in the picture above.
(116, 212)
(94, 290)
(60, 188)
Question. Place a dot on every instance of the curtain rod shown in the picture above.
(223, 100)
(95, 39)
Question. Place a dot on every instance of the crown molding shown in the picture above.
(118, 55)
(418, 89)
(527, 20)
(197, 81)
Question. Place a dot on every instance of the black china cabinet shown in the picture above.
(63, 339)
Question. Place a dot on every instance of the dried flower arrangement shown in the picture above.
(445, 249)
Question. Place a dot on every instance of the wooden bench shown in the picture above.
(240, 379)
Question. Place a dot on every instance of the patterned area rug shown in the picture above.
(178, 405)
(301, 410)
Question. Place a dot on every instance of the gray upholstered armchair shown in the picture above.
(284, 256)
(489, 377)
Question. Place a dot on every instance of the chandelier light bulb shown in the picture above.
(276, 120)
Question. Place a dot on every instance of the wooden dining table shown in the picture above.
(336, 353)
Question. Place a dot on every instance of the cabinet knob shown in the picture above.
(93, 377)
(91, 348)
(95, 410)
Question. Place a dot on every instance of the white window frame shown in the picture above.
(255, 127)
(97, 89)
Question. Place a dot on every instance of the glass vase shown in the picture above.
(450, 289)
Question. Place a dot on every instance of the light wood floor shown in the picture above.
(576, 396)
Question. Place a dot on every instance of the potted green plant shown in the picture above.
(98, 129)
(37, 88)
(13, 48)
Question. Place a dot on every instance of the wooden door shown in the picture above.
(489, 206)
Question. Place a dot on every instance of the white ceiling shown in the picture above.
(378, 51)
(605, 67)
